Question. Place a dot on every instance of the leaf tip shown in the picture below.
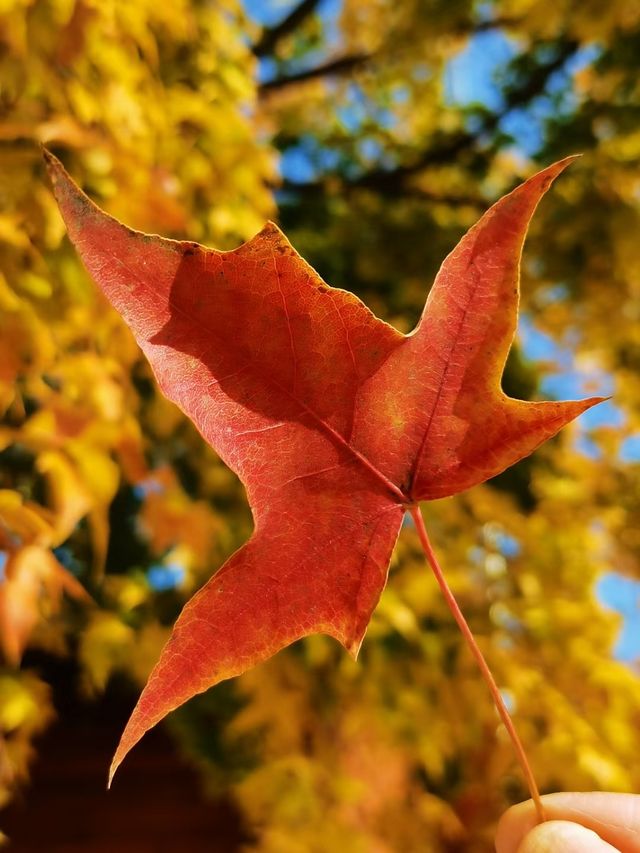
(548, 175)
(590, 402)
(47, 155)
(353, 647)
(572, 409)
(116, 761)
(54, 166)
(71, 199)
(570, 158)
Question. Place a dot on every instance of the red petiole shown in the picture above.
(416, 514)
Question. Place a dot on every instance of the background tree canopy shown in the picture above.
(375, 132)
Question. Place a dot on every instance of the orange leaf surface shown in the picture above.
(333, 420)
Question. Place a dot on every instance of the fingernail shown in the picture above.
(558, 835)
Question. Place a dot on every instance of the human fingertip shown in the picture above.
(559, 836)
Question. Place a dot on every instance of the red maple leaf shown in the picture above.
(335, 422)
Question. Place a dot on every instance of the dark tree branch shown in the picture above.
(270, 36)
(341, 65)
(520, 95)
(489, 24)
(393, 181)
(313, 188)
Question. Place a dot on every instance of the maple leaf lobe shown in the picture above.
(459, 428)
(333, 420)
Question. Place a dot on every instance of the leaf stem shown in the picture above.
(416, 514)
